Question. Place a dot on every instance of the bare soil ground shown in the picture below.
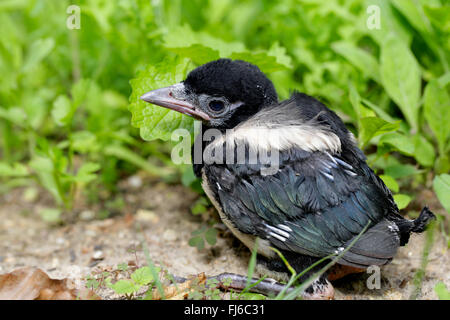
(159, 214)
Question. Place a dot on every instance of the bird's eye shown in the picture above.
(216, 105)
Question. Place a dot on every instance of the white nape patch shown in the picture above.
(278, 138)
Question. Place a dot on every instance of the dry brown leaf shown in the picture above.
(180, 291)
(31, 283)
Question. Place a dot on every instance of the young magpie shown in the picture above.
(322, 193)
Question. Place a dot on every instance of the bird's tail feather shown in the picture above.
(417, 225)
(425, 217)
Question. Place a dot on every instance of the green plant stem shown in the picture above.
(75, 55)
(418, 277)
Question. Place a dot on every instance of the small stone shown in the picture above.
(87, 215)
(130, 198)
(55, 263)
(73, 256)
(169, 235)
(146, 216)
(30, 195)
(98, 255)
(135, 182)
(90, 233)
(8, 224)
(10, 260)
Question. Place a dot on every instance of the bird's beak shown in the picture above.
(174, 98)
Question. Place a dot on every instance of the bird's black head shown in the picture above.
(221, 93)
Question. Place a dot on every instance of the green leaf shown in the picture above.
(198, 53)
(125, 287)
(380, 112)
(84, 142)
(201, 47)
(86, 173)
(400, 75)
(62, 111)
(402, 200)
(439, 16)
(280, 53)
(44, 169)
(390, 182)
(15, 114)
(442, 291)
(188, 176)
(122, 266)
(437, 112)
(442, 164)
(441, 185)
(373, 126)
(92, 283)
(84, 90)
(198, 231)
(50, 215)
(389, 22)
(125, 154)
(415, 15)
(156, 122)
(190, 37)
(14, 170)
(400, 171)
(423, 151)
(264, 61)
(38, 50)
(211, 236)
(360, 58)
(200, 206)
(197, 242)
(399, 142)
(143, 276)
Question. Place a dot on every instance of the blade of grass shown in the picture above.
(251, 270)
(252, 263)
(292, 270)
(251, 286)
(297, 291)
(418, 277)
(294, 278)
(153, 269)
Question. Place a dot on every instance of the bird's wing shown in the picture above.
(315, 204)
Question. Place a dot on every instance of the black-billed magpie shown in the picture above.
(288, 173)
